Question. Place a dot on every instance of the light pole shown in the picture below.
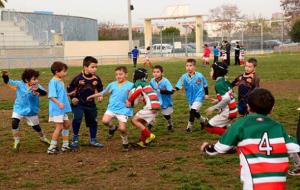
(185, 38)
(262, 37)
(161, 39)
(130, 8)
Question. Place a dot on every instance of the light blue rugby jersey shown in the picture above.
(164, 99)
(118, 95)
(57, 90)
(194, 87)
(26, 104)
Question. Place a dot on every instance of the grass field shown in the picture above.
(172, 162)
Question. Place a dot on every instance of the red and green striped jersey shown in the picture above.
(225, 94)
(149, 95)
(263, 147)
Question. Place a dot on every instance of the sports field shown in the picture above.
(174, 161)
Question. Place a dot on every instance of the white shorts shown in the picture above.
(31, 120)
(167, 111)
(196, 106)
(221, 119)
(205, 59)
(147, 115)
(58, 118)
(120, 118)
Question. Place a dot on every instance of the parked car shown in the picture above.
(161, 48)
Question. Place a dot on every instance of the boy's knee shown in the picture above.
(15, 123)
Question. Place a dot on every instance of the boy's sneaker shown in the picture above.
(95, 143)
(111, 131)
(203, 122)
(150, 139)
(16, 146)
(141, 144)
(65, 149)
(170, 128)
(294, 172)
(53, 150)
(45, 140)
(75, 145)
(125, 147)
(188, 129)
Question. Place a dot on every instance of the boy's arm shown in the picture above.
(256, 82)
(179, 83)
(223, 101)
(71, 89)
(41, 90)
(235, 81)
(291, 145)
(205, 85)
(135, 94)
(168, 90)
(99, 85)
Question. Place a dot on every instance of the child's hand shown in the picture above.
(209, 111)
(81, 82)
(128, 104)
(100, 98)
(72, 93)
(61, 105)
(75, 101)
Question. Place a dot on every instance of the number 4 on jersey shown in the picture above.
(264, 144)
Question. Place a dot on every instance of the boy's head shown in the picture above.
(157, 71)
(135, 47)
(190, 66)
(121, 73)
(215, 46)
(261, 101)
(205, 45)
(250, 65)
(30, 76)
(59, 69)
(140, 74)
(218, 69)
(148, 48)
(90, 65)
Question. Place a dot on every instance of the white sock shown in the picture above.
(124, 139)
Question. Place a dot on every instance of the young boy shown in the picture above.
(246, 83)
(206, 55)
(135, 54)
(26, 104)
(81, 87)
(164, 90)
(147, 115)
(225, 102)
(119, 91)
(147, 58)
(59, 106)
(263, 145)
(216, 54)
(196, 89)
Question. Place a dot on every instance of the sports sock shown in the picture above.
(16, 134)
(65, 135)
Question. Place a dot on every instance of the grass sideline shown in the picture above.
(173, 162)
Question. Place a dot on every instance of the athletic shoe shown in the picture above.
(170, 128)
(95, 143)
(203, 122)
(150, 139)
(65, 149)
(141, 144)
(294, 172)
(125, 147)
(45, 140)
(188, 129)
(16, 146)
(111, 131)
(53, 150)
(74, 146)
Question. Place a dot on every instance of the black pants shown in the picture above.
(228, 59)
(216, 59)
(134, 61)
(237, 60)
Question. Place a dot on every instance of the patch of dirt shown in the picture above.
(289, 89)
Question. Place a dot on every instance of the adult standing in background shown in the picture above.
(228, 49)
(135, 54)
(237, 54)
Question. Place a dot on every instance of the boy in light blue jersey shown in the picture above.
(59, 106)
(164, 90)
(196, 89)
(119, 91)
(26, 104)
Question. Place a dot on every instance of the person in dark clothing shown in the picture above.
(237, 54)
(81, 87)
(135, 54)
(228, 49)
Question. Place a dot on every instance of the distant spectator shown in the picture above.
(216, 54)
(237, 54)
(135, 54)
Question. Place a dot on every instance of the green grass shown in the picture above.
(173, 162)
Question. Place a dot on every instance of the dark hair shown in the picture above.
(58, 66)
(205, 45)
(122, 68)
(159, 67)
(215, 46)
(135, 47)
(140, 74)
(88, 60)
(190, 60)
(28, 74)
(220, 70)
(253, 61)
(148, 48)
(261, 101)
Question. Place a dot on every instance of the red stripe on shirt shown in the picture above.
(270, 186)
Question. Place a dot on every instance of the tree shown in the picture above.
(295, 32)
(291, 9)
(171, 31)
(2, 3)
(226, 17)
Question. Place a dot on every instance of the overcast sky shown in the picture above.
(116, 10)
